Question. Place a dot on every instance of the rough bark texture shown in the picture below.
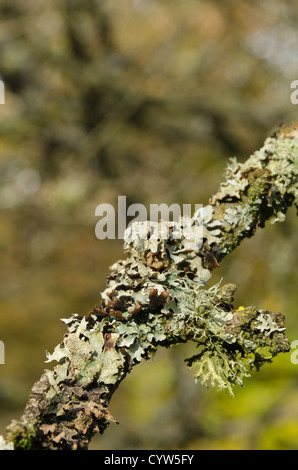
(158, 296)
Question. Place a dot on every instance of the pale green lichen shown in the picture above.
(156, 262)
(159, 296)
(231, 343)
(82, 358)
(258, 190)
(164, 276)
(5, 445)
(234, 214)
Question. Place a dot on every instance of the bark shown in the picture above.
(158, 296)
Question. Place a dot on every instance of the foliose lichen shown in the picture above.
(159, 295)
(260, 189)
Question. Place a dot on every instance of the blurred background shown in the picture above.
(147, 99)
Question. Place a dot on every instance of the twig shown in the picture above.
(157, 296)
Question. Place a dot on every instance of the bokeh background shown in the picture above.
(148, 99)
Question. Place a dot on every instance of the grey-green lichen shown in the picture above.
(159, 296)
(156, 264)
(5, 445)
(231, 342)
(260, 189)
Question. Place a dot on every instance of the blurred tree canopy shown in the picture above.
(147, 99)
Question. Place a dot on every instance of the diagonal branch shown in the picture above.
(158, 296)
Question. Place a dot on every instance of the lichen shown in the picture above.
(19, 437)
(159, 296)
(156, 262)
(230, 340)
(5, 445)
(260, 189)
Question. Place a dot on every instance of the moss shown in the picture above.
(259, 189)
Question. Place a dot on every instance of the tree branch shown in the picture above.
(158, 296)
